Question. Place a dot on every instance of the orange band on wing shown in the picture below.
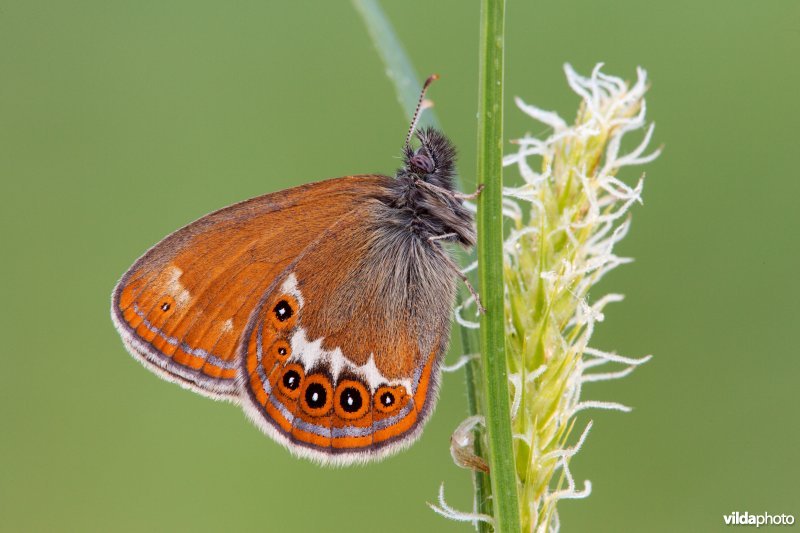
(352, 434)
(309, 432)
(417, 403)
(264, 380)
(171, 348)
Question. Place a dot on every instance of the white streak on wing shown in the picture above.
(310, 353)
(371, 373)
(305, 352)
(337, 363)
(175, 288)
(290, 287)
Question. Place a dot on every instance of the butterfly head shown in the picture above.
(434, 159)
(431, 211)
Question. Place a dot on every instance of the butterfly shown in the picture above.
(323, 310)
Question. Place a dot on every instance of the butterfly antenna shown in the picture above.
(432, 78)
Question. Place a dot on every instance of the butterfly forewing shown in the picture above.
(182, 307)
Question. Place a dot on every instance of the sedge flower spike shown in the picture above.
(564, 219)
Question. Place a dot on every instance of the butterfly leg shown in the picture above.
(453, 194)
(471, 289)
(446, 236)
(454, 267)
(471, 196)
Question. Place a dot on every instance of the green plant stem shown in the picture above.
(406, 83)
(480, 481)
(490, 262)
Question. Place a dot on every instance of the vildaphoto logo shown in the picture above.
(765, 519)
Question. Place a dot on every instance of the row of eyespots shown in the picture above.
(316, 394)
(350, 400)
(281, 317)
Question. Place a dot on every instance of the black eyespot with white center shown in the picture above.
(283, 311)
(291, 380)
(282, 351)
(350, 400)
(387, 399)
(165, 306)
(316, 396)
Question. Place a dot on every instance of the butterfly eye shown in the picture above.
(352, 400)
(389, 399)
(421, 162)
(316, 395)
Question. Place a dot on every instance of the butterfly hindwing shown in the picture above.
(340, 358)
(182, 307)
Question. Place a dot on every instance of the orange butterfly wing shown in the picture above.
(332, 367)
(182, 307)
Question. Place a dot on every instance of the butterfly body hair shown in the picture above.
(396, 283)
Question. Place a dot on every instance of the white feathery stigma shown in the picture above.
(565, 214)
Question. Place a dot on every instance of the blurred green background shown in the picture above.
(121, 121)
